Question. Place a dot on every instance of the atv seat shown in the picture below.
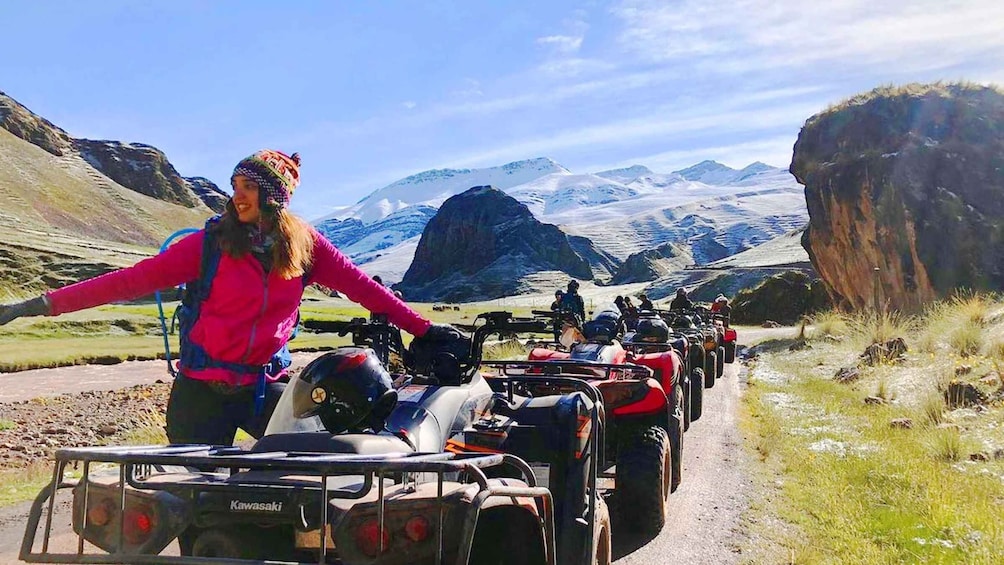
(541, 411)
(324, 442)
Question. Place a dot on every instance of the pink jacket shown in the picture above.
(249, 315)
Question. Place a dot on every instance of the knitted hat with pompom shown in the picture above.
(276, 173)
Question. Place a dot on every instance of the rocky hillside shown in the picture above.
(66, 211)
(136, 166)
(479, 245)
(146, 170)
(784, 298)
(903, 187)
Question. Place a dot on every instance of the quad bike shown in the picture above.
(643, 399)
(725, 336)
(729, 337)
(691, 323)
(557, 431)
(653, 335)
(303, 494)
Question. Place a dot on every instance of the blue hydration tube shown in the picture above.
(160, 304)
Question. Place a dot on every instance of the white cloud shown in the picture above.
(409, 104)
(471, 89)
(768, 34)
(565, 44)
(731, 118)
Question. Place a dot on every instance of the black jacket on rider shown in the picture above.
(681, 302)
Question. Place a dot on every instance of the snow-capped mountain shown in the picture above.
(712, 209)
(563, 192)
(433, 187)
(716, 226)
(625, 175)
(365, 242)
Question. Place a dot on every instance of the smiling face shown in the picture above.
(246, 199)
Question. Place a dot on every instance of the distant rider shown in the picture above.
(644, 303)
(572, 302)
(681, 301)
(556, 306)
(630, 314)
(721, 308)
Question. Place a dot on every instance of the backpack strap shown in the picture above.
(194, 356)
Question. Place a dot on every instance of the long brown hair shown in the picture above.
(293, 251)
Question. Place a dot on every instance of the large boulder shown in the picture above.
(784, 298)
(903, 187)
(478, 246)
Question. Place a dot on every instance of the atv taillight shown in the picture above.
(368, 538)
(100, 513)
(139, 522)
(416, 528)
(620, 393)
(149, 521)
(730, 335)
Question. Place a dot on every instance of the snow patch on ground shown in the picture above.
(762, 373)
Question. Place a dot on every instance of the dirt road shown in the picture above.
(703, 525)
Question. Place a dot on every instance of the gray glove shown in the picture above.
(38, 306)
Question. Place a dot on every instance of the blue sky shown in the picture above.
(369, 92)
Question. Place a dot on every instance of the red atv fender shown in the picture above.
(667, 365)
(623, 398)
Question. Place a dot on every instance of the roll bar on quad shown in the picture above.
(139, 467)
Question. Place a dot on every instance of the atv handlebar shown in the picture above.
(376, 333)
(385, 338)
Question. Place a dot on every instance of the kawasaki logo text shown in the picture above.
(256, 506)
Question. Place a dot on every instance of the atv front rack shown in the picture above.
(138, 467)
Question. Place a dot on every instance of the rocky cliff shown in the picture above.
(146, 170)
(479, 245)
(903, 187)
(34, 129)
(138, 167)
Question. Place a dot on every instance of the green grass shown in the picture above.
(19, 485)
(115, 333)
(843, 485)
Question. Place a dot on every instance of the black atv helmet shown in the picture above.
(348, 389)
(652, 329)
(573, 285)
(604, 327)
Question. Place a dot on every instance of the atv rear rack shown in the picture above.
(573, 368)
(137, 466)
(579, 384)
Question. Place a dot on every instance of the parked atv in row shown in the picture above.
(345, 474)
(643, 402)
(706, 335)
(653, 335)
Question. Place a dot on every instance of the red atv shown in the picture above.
(644, 414)
(653, 335)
